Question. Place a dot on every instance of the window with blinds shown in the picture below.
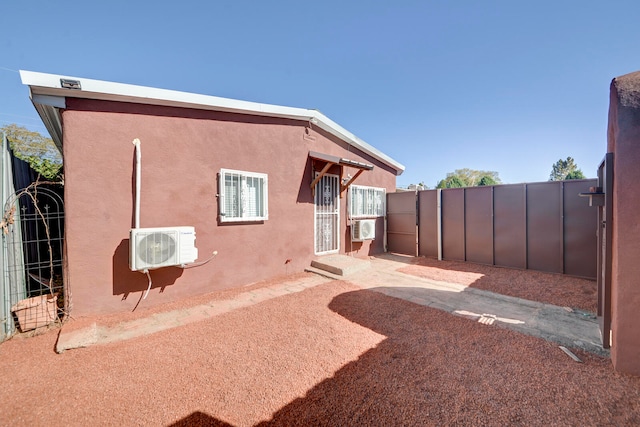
(243, 196)
(366, 201)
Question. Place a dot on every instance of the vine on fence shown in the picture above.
(8, 219)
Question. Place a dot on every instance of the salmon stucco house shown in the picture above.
(160, 178)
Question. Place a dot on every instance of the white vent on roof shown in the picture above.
(364, 229)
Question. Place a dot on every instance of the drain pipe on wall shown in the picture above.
(439, 221)
(136, 143)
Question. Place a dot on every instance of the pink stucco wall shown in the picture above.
(183, 151)
(624, 141)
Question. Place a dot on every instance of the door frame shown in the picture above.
(335, 190)
(605, 231)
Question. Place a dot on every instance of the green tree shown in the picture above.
(565, 169)
(487, 180)
(472, 177)
(452, 181)
(37, 150)
(577, 174)
(469, 178)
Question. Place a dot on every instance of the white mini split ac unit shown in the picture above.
(152, 248)
(363, 229)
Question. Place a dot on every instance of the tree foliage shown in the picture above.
(37, 150)
(452, 181)
(469, 178)
(576, 174)
(565, 169)
(487, 180)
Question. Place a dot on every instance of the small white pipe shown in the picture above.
(145, 271)
(439, 221)
(136, 142)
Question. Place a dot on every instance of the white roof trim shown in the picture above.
(46, 86)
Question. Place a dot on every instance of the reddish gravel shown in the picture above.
(332, 355)
(557, 289)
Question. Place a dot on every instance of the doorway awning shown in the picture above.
(336, 160)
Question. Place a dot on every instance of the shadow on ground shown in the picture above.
(198, 419)
(439, 369)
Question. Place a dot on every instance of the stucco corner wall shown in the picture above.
(183, 151)
(623, 139)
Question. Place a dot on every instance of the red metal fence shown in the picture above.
(541, 226)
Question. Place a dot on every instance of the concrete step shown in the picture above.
(341, 265)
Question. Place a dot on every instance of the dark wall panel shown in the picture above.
(479, 225)
(402, 234)
(509, 226)
(453, 224)
(544, 227)
(428, 223)
(580, 230)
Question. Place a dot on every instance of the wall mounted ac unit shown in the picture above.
(363, 229)
(151, 248)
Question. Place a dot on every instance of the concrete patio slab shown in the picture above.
(574, 329)
(341, 265)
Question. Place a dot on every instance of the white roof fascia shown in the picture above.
(52, 101)
(45, 88)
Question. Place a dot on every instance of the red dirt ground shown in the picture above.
(333, 355)
(556, 289)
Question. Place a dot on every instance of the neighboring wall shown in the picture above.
(544, 226)
(624, 142)
(183, 151)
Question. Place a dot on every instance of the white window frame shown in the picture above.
(242, 208)
(368, 207)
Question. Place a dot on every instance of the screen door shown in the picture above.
(327, 215)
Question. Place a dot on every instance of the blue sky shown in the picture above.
(508, 86)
